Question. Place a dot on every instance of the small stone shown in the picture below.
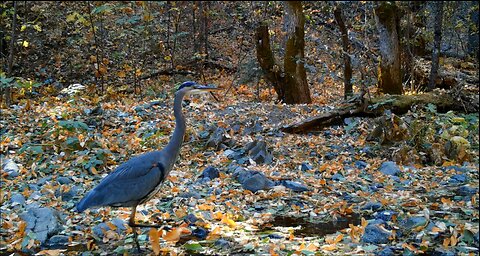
(414, 222)
(119, 223)
(385, 215)
(295, 186)
(466, 191)
(337, 176)
(210, 172)
(200, 232)
(64, 180)
(458, 178)
(375, 234)
(191, 218)
(222, 243)
(9, 166)
(228, 152)
(389, 168)
(44, 222)
(330, 155)
(57, 242)
(386, 252)
(306, 167)
(17, 199)
(373, 206)
(360, 164)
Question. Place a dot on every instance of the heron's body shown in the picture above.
(139, 179)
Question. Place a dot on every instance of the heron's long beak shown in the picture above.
(199, 88)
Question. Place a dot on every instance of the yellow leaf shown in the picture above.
(23, 28)
(25, 44)
(121, 74)
(205, 207)
(154, 240)
(167, 58)
(228, 221)
(37, 28)
(71, 17)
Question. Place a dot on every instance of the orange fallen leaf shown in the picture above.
(329, 247)
(51, 252)
(154, 240)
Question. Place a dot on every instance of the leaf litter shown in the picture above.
(424, 208)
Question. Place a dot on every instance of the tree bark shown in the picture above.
(290, 84)
(347, 68)
(8, 93)
(438, 17)
(296, 86)
(389, 74)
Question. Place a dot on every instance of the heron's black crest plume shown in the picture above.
(186, 84)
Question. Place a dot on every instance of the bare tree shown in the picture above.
(437, 40)
(290, 83)
(347, 67)
(389, 74)
(8, 93)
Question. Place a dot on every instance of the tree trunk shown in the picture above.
(290, 84)
(8, 93)
(389, 74)
(347, 68)
(296, 86)
(438, 17)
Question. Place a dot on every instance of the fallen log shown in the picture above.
(464, 102)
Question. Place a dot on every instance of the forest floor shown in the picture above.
(330, 192)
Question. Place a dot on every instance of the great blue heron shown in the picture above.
(139, 179)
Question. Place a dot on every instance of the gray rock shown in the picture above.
(216, 139)
(330, 155)
(228, 152)
(306, 167)
(257, 150)
(252, 180)
(458, 178)
(17, 199)
(222, 244)
(64, 180)
(338, 176)
(9, 166)
(385, 215)
(414, 222)
(43, 180)
(68, 195)
(210, 172)
(372, 206)
(360, 164)
(466, 190)
(254, 129)
(295, 186)
(44, 222)
(375, 234)
(386, 252)
(119, 223)
(57, 242)
(389, 168)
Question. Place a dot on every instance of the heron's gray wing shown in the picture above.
(127, 185)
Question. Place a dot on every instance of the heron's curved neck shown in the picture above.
(173, 147)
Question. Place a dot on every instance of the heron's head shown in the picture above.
(191, 87)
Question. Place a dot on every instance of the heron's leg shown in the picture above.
(131, 223)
